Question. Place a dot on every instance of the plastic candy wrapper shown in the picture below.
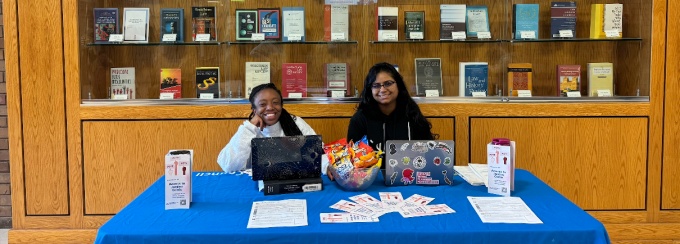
(353, 165)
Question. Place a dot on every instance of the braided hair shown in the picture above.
(286, 119)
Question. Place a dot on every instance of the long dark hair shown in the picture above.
(287, 120)
(404, 100)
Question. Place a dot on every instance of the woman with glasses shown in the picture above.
(387, 111)
(268, 118)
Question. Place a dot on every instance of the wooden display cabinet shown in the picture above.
(78, 157)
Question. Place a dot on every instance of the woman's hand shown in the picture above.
(257, 121)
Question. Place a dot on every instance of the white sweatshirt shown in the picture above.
(235, 155)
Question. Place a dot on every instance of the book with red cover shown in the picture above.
(568, 79)
(294, 79)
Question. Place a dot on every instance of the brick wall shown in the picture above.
(5, 193)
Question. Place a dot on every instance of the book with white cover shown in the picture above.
(257, 73)
(136, 25)
(388, 25)
(613, 17)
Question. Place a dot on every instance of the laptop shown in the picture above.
(286, 158)
(419, 162)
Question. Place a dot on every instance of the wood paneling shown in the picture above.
(670, 192)
(43, 110)
(598, 163)
(52, 236)
(117, 169)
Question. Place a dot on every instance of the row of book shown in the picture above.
(457, 21)
(473, 79)
(294, 80)
(287, 24)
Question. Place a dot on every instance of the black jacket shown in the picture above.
(395, 127)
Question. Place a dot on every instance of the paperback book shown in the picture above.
(473, 77)
(336, 22)
(105, 24)
(520, 77)
(203, 20)
(257, 73)
(337, 77)
(293, 19)
(477, 20)
(172, 22)
(414, 25)
(452, 19)
(208, 82)
(246, 24)
(136, 25)
(568, 79)
(123, 83)
(270, 23)
(428, 76)
(171, 83)
(294, 80)
(562, 18)
(526, 20)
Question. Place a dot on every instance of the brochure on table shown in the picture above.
(178, 179)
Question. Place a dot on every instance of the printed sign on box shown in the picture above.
(178, 179)
(501, 163)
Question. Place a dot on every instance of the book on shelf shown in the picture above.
(136, 25)
(526, 18)
(172, 22)
(123, 83)
(207, 82)
(613, 18)
(294, 80)
(270, 23)
(257, 73)
(452, 19)
(387, 25)
(600, 77)
(337, 77)
(414, 25)
(336, 21)
(606, 17)
(476, 20)
(293, 19)
(568, 79)
(203, 21)
(105, 24)
(519, 77)
(246, 24)
(562, 17)
(171, 83)
(428, 76)
(473, 77)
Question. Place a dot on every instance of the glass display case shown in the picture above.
(171, 51)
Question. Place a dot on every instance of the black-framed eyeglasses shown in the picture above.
(385, 84)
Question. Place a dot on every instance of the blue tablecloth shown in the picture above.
(222, 202)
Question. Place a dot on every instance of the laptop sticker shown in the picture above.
(437, 161)
(393, 162)
(444, 147)
(419, 162)
(404, 147)
(393, 149)
(407, 176)
(420, 147)
(447, 161)
(446, 177)
(393, 177)
(406, 160)
(431, 144)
